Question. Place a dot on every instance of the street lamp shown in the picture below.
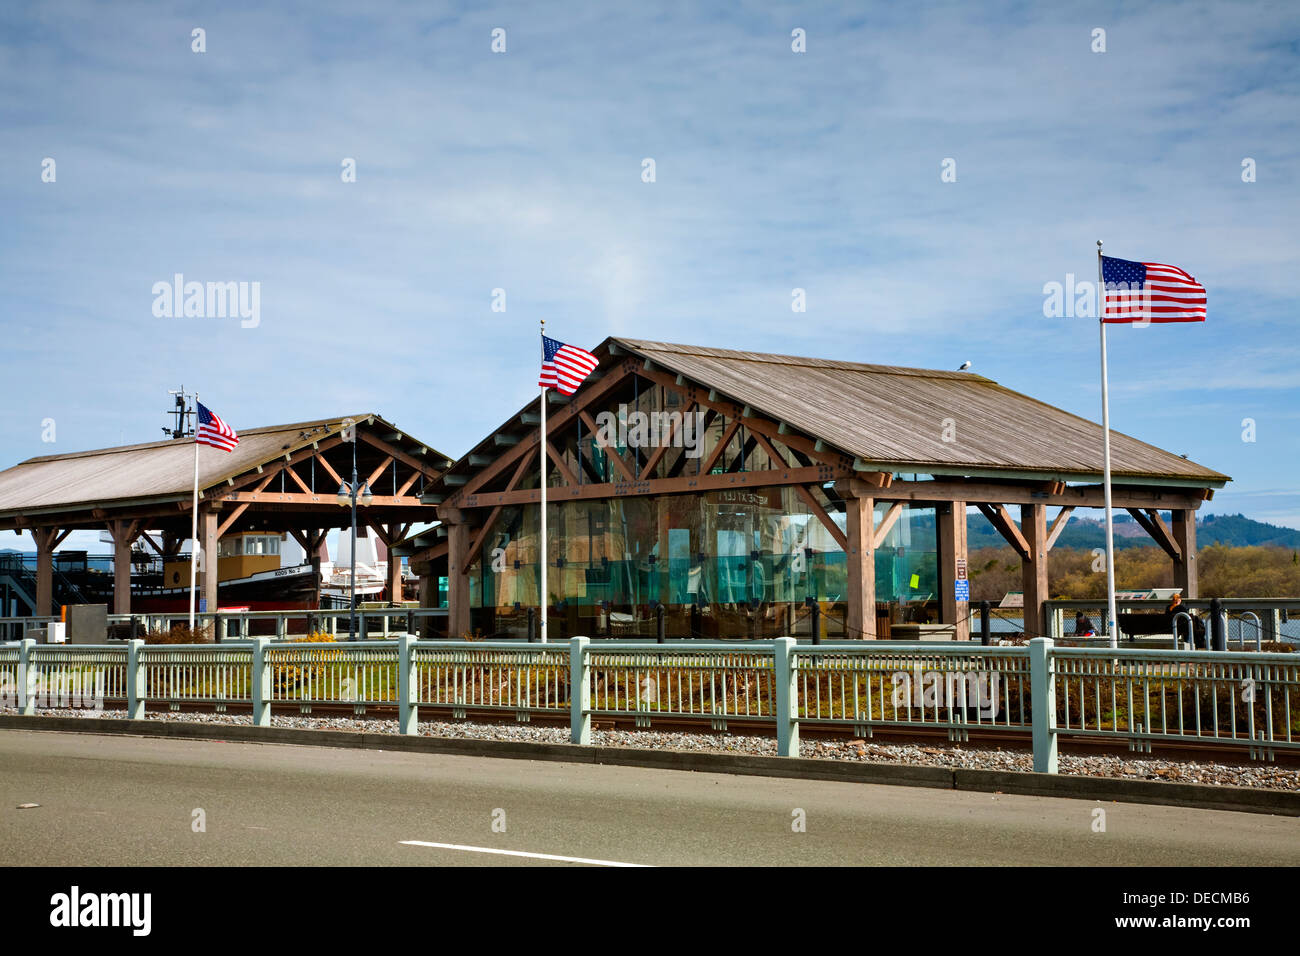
(348, 494)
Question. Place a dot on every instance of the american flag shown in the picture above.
(1150, 292)
(213, 431)
(565, 366)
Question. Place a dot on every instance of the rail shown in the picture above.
(1040, 693)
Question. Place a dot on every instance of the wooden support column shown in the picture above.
(428, 596)
(951, 522)
(1033, 528)
(124, 534)
(458, 558)
(208, 535)
(394, 578)
(46, 539)
(860, 620)
(1184, 531)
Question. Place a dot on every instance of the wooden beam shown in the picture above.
(1058, 525)
(658, 453)
(234, 516)
(397, 453)
(251, 476)
(1033, 530)
(1001, 519)
(1184, 534)
(405, 486)
(727, 434)
(295, 498)
(820, 513)
(296, 480)
(772, 429)
(886, 523)
(555, 456)
(329, 469)
(1079, 496)
(659, 486)
(1153, 525)
(860, 560)
(610, 452)
(374, 475)
(555, 422)
(476, 546)
(950, 528)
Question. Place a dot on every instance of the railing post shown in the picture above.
(1218, 633)
(579, 692)
(408, 708)
(260, 684)
(815, 615)
(282, 627)
(136, 691)
(532, 625)
(26, 677)
(787, 697)
(1042, 704)
(362, 625)
(660, 628)
(986, 635)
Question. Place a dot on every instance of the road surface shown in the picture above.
(132, 801)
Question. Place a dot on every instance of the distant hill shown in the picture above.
(1087, 533)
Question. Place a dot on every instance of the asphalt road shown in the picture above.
(131, 801)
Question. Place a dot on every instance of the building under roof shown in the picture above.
(279, 478)
(770, 484)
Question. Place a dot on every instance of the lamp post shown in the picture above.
(348, 495)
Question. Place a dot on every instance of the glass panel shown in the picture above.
(725, 564)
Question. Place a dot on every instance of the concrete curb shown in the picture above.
(1198, 796)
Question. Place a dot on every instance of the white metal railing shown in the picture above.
(74, 675)
(709, 680)
(1249, 701)
(893, 685)
(523, 679)
(196, 673)
(356, 673)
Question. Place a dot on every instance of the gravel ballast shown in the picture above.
(1257, 775)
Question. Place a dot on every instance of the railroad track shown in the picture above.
(979, 737)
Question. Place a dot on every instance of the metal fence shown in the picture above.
(1249, 701)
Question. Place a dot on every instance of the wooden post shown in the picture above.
(394, 578)
(458, 556)
(860, 620)
(428, 595)
(123, 534)
(951, 523)
(208, 534)
(45, 538)
(1033, 527)
(1184, 529)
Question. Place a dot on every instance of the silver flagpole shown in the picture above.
(541, 457)
(194, 517)
(1111, 616)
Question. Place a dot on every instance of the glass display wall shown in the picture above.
(724, 564)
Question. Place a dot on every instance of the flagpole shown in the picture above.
(194, 521)
(541, 457)
(1111, 616)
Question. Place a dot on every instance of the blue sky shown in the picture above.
(522, 171)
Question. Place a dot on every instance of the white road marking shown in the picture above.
(531, 856)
